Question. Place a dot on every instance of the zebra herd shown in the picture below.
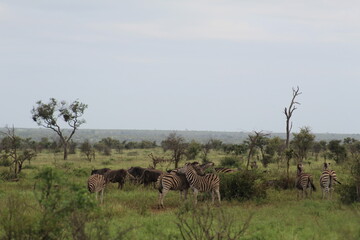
(304, 181)
(192, 175)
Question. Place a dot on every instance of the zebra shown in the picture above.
(207, 183)
(171, 181)
(327, 180)
(96, 183)
(224, 170)
(303, 182)
(174, 180)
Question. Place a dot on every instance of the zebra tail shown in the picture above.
(158, 184)
(337, 181)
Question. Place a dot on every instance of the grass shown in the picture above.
(279, 216)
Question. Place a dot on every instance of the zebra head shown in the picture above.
(326, 166)
(194, 167)
(299, 168)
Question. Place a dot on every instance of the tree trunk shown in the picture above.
(65, 151)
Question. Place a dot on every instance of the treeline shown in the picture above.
(258, 148)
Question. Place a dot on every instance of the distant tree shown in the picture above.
(12, 151)
(72, 147)
(87, 149)
(216, 144)
(302, 143)
(193, 150)
(353, 147)
(177, 145)
(48, 115)
(289, 112)
(205, 150)
(235, 149)
(275, 149)
(337, 150)
(317, 148)
(253, 141)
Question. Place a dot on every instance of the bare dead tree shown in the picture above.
(159, 160)
(289, 112)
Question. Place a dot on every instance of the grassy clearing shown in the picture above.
(133, 211)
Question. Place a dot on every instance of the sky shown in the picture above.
(184, 65)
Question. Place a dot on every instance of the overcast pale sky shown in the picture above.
(189, 64)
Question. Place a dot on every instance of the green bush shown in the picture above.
(229, 161)
(5, 162)
(210, 223)
(348, 193)
(17, 218)
(242, 185)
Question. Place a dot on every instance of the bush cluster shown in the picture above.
(243, 185)
(229, 161)
(61, 210)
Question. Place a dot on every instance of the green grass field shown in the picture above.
(132, 213)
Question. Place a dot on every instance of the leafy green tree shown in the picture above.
(275, 149)
(353, 147)
(302, 143)
(337, 150)
(193, 150)
(87, 149)
(48, 115)
(177, 145)
(13, 151)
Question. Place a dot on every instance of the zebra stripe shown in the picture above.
(327, 181)
(207, 183)
(171, 181)
(303, 182)
(224, 170)
(96, 183)
(325, 184)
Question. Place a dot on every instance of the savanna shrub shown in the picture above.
(242, 185)
(7, 175)
(282, 182)
(210, 223)
(5, 162)
(229, 162)
(17, 218)
(350, 192)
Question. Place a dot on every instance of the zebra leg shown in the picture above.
(185, 194)
(217, 191)
(102, 196)
(162, 196)
(195, 195)
(159, 200)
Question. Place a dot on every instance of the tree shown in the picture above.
(48, 115)
(275, 149)
(254, 140)
(177, 145)
(87, 149)
(193, 150)
(302, 142)
(289, 112)
(338, 150)
(13, 151)
(205, 148)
